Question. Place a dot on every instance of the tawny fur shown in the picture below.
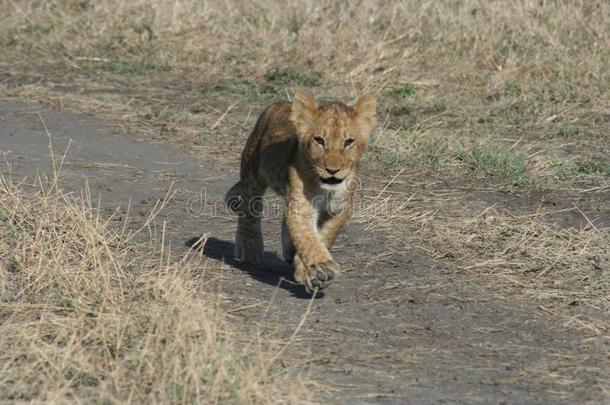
(307, 153)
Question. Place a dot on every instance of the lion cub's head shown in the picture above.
(333, 135)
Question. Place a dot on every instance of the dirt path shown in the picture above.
(396, 329)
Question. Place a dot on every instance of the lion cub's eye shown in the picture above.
(348, 142)
(319, 140)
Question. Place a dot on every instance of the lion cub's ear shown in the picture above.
(365, 114)
(304, 110)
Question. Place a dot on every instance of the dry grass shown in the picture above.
(87, 315)
(452, 77)
(368, 42)
(556, 257)
(553, 262)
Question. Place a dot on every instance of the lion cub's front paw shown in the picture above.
(317, 276)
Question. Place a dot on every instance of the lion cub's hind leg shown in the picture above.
(249, 244)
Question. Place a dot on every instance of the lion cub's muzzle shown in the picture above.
(331, 180)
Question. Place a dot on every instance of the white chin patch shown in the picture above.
(333, 187)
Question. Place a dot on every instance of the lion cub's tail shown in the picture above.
(233, 197)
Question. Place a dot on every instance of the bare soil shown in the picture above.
(399, 325)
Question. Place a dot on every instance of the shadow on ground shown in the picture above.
(274, 270)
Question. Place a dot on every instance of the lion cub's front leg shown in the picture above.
(314, 266)
(322, 274)
(332, 225)
(315, 276)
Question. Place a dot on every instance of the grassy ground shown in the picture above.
(502, 99)
(88, 314)
(510, 92)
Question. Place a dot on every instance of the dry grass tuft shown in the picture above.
(88, 316)
(553, 262)
(557, 257)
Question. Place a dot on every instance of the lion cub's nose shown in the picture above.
(332, 171)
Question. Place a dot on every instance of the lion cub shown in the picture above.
(307, 153)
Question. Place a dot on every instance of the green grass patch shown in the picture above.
(594, 167)
(403, 91)
(283, 77)
(271, 88)
(389, 160)
(402, 110)
(121, 66)
(497, 162)
(604, 208)
(439, 106)
(564, 130)
(237, 87)
(433, 152)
